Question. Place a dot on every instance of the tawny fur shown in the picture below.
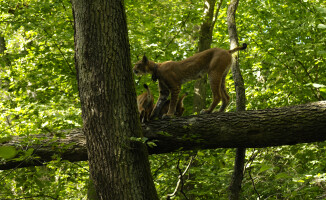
(215, 62)
(145, 103)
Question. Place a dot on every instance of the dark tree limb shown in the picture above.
(248, 129)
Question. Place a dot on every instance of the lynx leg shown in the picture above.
(164, 94)
(142, 116)
(173, 102)
(215, 83)
(225, 95)
(147, 115)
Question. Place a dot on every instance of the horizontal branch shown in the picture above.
(250, 129)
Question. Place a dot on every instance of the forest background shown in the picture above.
(284, 65)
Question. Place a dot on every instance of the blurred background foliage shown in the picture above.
(283, 65)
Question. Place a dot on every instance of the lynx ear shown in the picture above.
(145, 60)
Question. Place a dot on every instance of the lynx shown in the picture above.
(145, 103)
(171, 75)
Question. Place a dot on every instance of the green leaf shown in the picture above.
(265, 168)
(29, 152)
(321, 52)
(323, 89)
(321, 9)
(322, 26)
(7, 152)
(151, 144)
(282, 175)
(200, 153)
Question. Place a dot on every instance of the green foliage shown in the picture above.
(57, 180)
(38, 94)
(294, 172)
(7, 152)
(39, 91)
(285, 59)
(284, 65)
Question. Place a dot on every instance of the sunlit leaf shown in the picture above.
(7, 152)
(321, 26)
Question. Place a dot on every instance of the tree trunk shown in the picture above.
(236, 73)
(205, 41)
(2, 44)
(237, 176)
(249, 129)
(4, 60)
(119, 167)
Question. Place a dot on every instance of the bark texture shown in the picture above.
(237, 176)
(2, 44)
(4, 60)
(119, 167)
(249, 129)
(234, 42)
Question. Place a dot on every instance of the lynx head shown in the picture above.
(141, 67)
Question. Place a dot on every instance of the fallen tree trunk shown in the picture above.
(249, 129)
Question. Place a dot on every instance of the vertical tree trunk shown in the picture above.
(237, 176)
(4, 57)
(119, 167)
(2, 44)
(205, 41)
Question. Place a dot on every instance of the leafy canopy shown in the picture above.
(284, 65)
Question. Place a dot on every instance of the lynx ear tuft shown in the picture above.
(145, 60)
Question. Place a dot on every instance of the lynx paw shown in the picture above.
(204, 111)
(165, 116)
